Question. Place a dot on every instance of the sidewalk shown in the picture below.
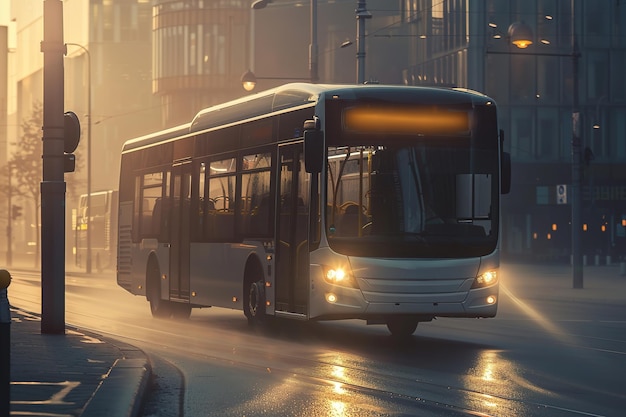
(554, 282)
(79, 374)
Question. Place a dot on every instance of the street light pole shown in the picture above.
(88, 212)
(361, 15)
(313, 51)
(519, 34)
(53, 183)
(577, 258)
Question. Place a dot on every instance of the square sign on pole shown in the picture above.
(561, 194)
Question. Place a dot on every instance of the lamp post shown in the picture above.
(361, 15)
(249, 79)
(520, 35)
(313, 49)
(88, 212)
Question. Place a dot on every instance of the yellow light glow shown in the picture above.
(624, 222)
(404, 120)
(522, 43)
(335, 275)
(249, 85)
(491, 299)
(585, 227)
(331, 298)
(490, 277)
(535, 235)
(604, 227)
(338, 388)
(554, 227)
(549, 236)
(486, 279)
(338, 408)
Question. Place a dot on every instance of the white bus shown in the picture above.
(319, 202)
(102, 220)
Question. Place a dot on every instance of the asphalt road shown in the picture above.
(550, 351)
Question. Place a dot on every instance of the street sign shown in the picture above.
(561, 194)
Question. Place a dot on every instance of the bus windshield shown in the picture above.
(422, 198)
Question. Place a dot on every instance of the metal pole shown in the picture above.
(361, 15)
(313, 50)
(577, 259)
(10, 220)
(88, 212)
(53, 184)
(5, 345)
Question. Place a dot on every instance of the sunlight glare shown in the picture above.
(537, 316)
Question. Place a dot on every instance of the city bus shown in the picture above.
(101, 218)
(319, 202)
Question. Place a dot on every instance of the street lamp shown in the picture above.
(313, 49)
(88, 213)
(520, 35)
(249, 79)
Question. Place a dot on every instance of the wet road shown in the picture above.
(550, 351)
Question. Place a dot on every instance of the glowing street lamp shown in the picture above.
(520, 35)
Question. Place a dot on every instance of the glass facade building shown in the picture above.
(465, 43)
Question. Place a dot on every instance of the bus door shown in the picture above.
(292, 249)
(179, 231)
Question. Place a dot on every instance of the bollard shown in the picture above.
(5, 345)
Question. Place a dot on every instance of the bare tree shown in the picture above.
(27, 164)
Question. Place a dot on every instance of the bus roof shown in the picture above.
(298, 94)
(156, 137)
(303, 94)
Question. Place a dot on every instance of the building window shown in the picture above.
(548, 134)
(618, 134)
(522, 127)
(523, 78)
(597, 74)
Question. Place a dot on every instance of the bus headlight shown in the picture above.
(339, 276)
(486, 279)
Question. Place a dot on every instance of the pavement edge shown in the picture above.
(123, 389)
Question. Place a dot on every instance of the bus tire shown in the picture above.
(402, 326)
(254, 295)
(255, 307)
(158, 307)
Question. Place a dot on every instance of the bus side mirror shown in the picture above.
(313, 147)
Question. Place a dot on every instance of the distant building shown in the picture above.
(465, 44)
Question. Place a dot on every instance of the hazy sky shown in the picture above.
(4, 12)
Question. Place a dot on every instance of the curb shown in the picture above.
(122, 391)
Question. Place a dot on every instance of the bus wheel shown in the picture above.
(158, 307)
(402, 326)
(254, 306)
